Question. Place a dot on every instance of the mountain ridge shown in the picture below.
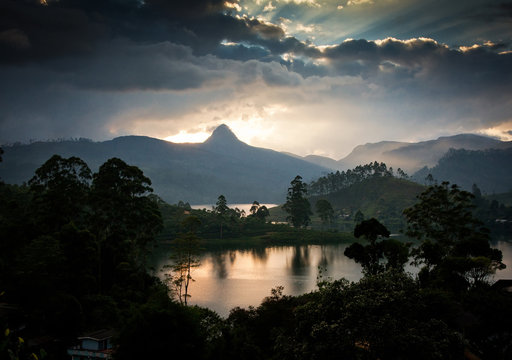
(197, 173)
(409, 156)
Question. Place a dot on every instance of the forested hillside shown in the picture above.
(374, 190)
(489, 169)
(381, 197)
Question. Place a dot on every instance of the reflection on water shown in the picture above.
(506, 250)
(219, 265)
(226, 279)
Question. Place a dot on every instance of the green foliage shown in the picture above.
(297, 205)
(378, 317)
(371, 229)
(493, 212)
(385, 316)
(381, 197)
(334, 182)
(358, 217)
(60, 187)
(370, 256)
(157, 331)
(82, 268)
(259, 212)
(325, 211)
(454, 245)
(221, 206)
(65, 244)
(124, 219)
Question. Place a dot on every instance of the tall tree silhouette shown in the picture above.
(297, 205)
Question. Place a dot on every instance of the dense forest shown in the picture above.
(374, 190)
(73, 256)
(334, 182)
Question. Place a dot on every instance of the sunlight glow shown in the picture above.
(185, 137)
(269, 7)
(311, 3)
(233, 5)
(502, 132)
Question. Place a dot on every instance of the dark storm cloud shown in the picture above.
(494, 11)
(480, 67)
(47, 31)
(32, 31)
(79, 67)
(127, 67)
(242, 52)
(83, 35)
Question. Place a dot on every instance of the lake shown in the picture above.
(245, 207)
(230, 278)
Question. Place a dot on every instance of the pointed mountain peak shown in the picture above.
(222, 134)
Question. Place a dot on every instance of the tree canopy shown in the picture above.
(372, 256)
(325, 211)
(333, 182)
(454, 244)
(297, 205)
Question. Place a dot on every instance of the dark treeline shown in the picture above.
(73, 251)
(333, 182)
(218, 222)
(72, 259)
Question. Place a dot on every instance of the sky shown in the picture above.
(302, 76)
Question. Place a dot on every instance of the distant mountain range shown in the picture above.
(199, 173)
(195, 173)
(410, 157)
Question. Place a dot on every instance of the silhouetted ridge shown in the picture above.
(222, 135)
(196, 173)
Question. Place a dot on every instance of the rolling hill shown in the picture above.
(381, 197)
(384, 198)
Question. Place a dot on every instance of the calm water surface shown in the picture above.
(226, 279)
(245, 207)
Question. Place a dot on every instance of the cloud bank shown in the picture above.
(103, 68)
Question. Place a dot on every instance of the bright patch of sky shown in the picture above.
(452, 22)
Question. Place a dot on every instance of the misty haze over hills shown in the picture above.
(489, 169)
(410, 157)
(199, 173)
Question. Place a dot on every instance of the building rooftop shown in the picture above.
(98, 335)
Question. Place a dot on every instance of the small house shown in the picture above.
(92, 346)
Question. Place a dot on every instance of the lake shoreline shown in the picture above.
(271, 239)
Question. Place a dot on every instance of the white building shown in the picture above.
(92, 346)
